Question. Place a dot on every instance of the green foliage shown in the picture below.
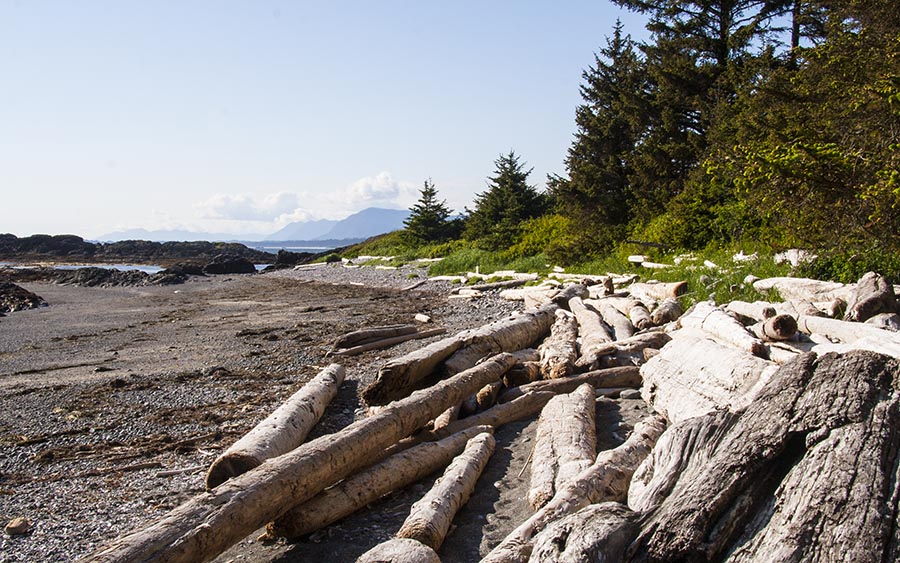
(848, 267)
(541, 235)
(389, 244)
(428, 219)
(486, 262)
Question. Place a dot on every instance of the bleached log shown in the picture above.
(657, 291)
(598, 533)
(505, 284)
(398, 377)
(667, 311)
(564, 295)
(621, 325)
(605, 480)
(639, 315)
(885, 321)
(758, 310)
(693, 375)
(560, 350)
(594, 333)
(628, 376)
(871, 295)
(399, 550)
(803, 289)
(386, 342)
(372, 334)
(208, 524)
(355, 492)
(843, 330)
(707, 317)
(565, 443)
(635, 345)
(532, 296)
(430, 518)
(280, 432)
(774, 329)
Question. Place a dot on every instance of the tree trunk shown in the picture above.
(628, 376)
(606, 480)
(565, 443)
(399, 550)
(758, 311)
(774, 329)
(560, 350)
(667, 311)
(598, 533)
(400, 376)
(205, 526)
(281, 431)
(709, 318)
(807, 473)
(384, 343)
(595, 334)
(430, 518)
(398, 471)
(871, 296)
(694, 375)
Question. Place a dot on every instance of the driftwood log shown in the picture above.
(871, 296)
(618, 321)
(398, 377)
(281, 431)
(386, 342)
(565, 443)
(205, 526)
(560, 350)
(709, 318)
(598, 533)
(594, 333)
(627, 376)
(657, 291)
(354, 493)
(399, 550)
(667, 311)
(605, 480)
(366, 335)
(774, 329)
(803, 289)
(758, 311)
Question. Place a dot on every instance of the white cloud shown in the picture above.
(242, 207)
(381, 189)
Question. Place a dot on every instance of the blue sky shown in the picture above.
(240, 117)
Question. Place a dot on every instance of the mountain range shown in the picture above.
(364, 224)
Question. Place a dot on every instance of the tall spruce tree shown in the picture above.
(596, 196)
(428, 218)
(508, 201)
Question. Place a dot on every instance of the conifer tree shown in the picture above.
(508, 201)
(428, 219)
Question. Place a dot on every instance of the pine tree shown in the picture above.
(509, 201)
(428, 219)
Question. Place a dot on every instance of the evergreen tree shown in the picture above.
(596, 196)
(500, 210)
(428, 219)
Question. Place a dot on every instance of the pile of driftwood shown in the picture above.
(757, 451)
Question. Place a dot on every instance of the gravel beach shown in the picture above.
(115, 400)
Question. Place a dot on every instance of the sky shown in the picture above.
(242, 116)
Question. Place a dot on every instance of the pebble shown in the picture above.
(630, 394)
(18, 526)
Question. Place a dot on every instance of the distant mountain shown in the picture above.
(368, 223)
(173, 235)
(303, 230)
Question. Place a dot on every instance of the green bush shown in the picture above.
(849, 266)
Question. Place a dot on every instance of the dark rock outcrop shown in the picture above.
(229, 264)
(16, 298)
(286, 259)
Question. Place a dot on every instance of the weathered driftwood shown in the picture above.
(533, 296)
(620, 323)
(351, 494)
(843, 330)
(871, 295)
(594, 333)
(208, 524)
(400, 376)
(518, 331)
(605, 480)
(505, 284)
(636, 344)
(481, 400)
(693, 375)
(807, 473)
(565, 443)
(774, 329)
(639, 315)
(667, 311)
(758, 311)
(498, 415)
(445, 418)
(886, 321)
(399, 550)
(803, 289)
(709, 318)
(628, 376)
(430, 518)
(560, 350)
(386, 342)
(598, 533)
(657, 291)
(522, 373)
(564, 295)
(366, 335)
(282, 431)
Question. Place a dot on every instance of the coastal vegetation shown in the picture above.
(752, 125)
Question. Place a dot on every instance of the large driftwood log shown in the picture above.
(386, 342)
(210, 523)
(594, 333)
(667, 311)
(598, 533)
(564, 295)
(430, 518)
(366, 335)
(871, 296)
(281, 431)
(565, 443)
(354, 493)
(560, 350)
(657, 291)
(758, 310)
(707, 317)
(399, 550)
(627, 376)
(693, 375)
(606, 480)
(803, 289)
(858, 335)
(774, 329)
(620, 323)
(807, 473)
(400, 376)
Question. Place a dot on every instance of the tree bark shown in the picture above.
(430, 518)
(709, 318)
(606, 480)
(628, 376)
(598, 533)
(281, 431)
(560, 350)
(565, 443)
(400, 376)
(399, 470)
(205, 526)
